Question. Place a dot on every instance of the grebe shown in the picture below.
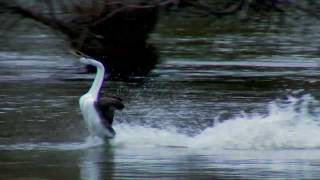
(98, 112)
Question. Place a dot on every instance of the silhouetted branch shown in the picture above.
(118, 29)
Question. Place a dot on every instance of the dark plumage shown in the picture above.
(106, 107)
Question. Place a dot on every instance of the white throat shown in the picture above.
(98, 80)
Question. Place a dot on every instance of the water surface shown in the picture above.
(236, 104)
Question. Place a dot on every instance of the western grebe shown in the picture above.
(98, 112)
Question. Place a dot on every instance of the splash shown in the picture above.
(289, 124)
(293, 123)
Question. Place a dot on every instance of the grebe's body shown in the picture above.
(97, 125)
(97, 115)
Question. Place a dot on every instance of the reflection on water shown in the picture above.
(232, 40)
(220, 105)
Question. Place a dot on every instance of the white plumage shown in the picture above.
(97, 124)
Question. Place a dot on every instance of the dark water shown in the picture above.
(228, 101)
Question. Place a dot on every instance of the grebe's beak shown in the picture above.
(83, 60)
(82, 57)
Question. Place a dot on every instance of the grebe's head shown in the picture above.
(91, 62)
(85, 61)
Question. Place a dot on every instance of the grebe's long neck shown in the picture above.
(98, 80)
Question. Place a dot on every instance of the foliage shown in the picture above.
(118, 29)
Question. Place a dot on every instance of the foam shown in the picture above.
(290, 124)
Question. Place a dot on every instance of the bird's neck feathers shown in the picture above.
(98, 80)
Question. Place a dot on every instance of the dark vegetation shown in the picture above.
(116, 31)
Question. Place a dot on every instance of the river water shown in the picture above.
(228, 101)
